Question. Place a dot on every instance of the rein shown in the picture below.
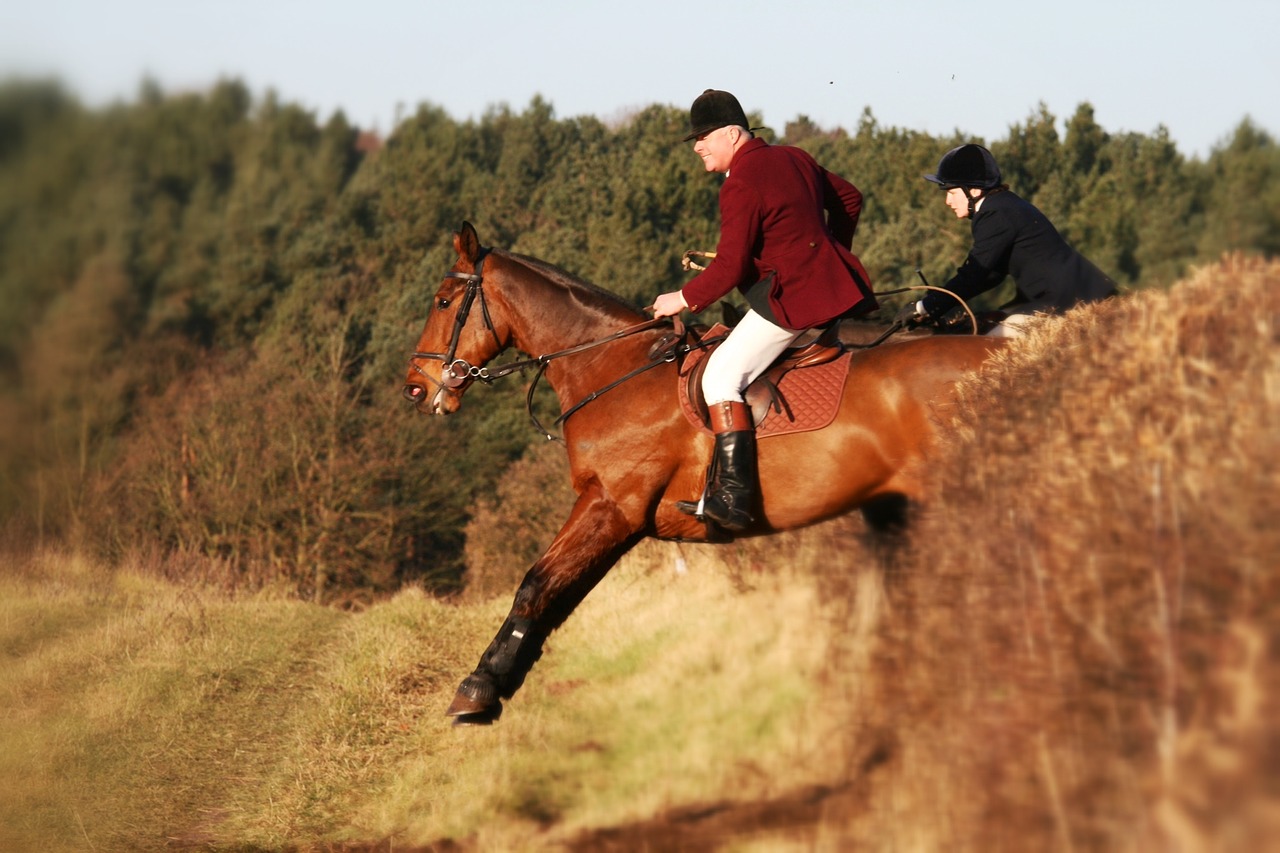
(456, 372)
(543, 360)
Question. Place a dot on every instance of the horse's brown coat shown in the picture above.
(633, 454)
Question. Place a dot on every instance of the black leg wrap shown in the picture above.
(510, 656)
(502, 669)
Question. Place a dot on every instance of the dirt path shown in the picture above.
(795, 817)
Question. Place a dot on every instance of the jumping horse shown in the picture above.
(633, 454)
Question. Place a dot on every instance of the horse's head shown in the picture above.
(459, 337)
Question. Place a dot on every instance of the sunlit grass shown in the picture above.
(662, 687)
(136, 717)
(152, 715)
(1073, 642)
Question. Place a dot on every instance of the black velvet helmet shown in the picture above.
(967, 166)
(712, 110)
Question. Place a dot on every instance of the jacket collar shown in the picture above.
(751, 145)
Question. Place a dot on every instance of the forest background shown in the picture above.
(207, 302)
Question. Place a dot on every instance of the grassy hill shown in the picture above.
(1076, 649)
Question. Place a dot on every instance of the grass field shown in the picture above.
(144, 716)
(1076, 650)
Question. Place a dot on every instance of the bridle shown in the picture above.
(457, 372)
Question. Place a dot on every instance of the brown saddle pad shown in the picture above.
(799, 392)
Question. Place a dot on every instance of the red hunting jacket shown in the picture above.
(772, 223)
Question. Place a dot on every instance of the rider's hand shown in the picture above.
(909, 314)
(669, 304)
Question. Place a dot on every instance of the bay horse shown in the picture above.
(632, 452)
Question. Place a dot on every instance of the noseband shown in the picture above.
(455, 372)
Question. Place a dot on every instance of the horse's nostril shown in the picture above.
(413, 393)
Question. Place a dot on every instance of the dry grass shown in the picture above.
(135, 713)
(1083, 638)
(507, 533)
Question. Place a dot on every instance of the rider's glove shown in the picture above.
(909, 314)
(937, 308)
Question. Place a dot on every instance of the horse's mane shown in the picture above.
(565, 278)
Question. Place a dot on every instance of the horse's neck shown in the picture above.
(550, 316)
(549, 333)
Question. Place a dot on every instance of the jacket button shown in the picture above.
(813, 245)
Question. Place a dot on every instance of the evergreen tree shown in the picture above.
(1242, 194)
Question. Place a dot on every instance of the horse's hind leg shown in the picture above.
(886, 515)
(589, 544)
(887, 520)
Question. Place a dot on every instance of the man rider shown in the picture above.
(786, 228)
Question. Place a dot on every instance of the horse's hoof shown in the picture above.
(476, 695)
(486, 717)
(465, 706)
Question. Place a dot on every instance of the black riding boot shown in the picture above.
(731, 497)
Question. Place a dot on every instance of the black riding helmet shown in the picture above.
(713, 110)
(969, 166)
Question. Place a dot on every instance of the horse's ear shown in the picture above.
(466, 242)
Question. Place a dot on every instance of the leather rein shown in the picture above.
(457, 371)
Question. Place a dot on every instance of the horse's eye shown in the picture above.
(442, 303)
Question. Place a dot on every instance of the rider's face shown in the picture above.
(958, 201)
(716, 148)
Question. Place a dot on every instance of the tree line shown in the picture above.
(208, 299)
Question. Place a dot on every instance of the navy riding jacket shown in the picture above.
(1012, 237)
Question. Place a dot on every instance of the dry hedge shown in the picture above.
(1084, 637)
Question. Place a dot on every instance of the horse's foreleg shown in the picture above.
(590, 543)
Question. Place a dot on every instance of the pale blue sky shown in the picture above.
(977, 66)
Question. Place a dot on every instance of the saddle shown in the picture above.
(799, 392)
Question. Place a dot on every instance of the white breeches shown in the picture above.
(751, 347)
(1012, 326)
